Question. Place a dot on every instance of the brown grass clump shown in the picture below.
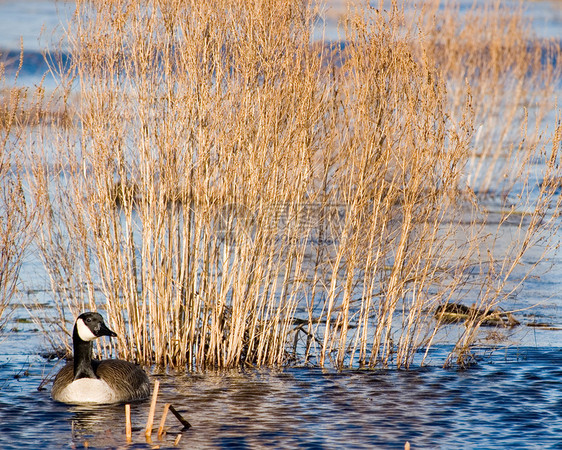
(234, 193)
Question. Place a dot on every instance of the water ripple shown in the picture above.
(504, 402)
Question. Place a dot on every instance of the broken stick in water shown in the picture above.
(150, 420)
(184, 422)
(163, 420)
(169, 407)
(128, 428)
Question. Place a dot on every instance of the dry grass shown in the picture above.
(234, 193)
(17, 217)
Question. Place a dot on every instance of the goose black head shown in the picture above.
(90, 325)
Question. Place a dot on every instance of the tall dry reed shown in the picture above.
(511, 78)
(19, 110)
(234, 192)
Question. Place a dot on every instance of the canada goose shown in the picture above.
(90, 381)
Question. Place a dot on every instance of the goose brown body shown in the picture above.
(85, 380)
(128, 382)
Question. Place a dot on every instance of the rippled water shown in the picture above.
(512, 399)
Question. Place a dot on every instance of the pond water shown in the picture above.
(511, 399)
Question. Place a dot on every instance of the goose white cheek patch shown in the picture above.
(84, 332)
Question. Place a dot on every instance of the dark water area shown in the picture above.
(34, 65)
(38, 25)
(511, 399)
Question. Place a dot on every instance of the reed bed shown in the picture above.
(234, 192)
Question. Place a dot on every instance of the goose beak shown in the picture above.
(104, 331)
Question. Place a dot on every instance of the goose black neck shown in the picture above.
(82, 357)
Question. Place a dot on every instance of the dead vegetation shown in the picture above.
(231, 192)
